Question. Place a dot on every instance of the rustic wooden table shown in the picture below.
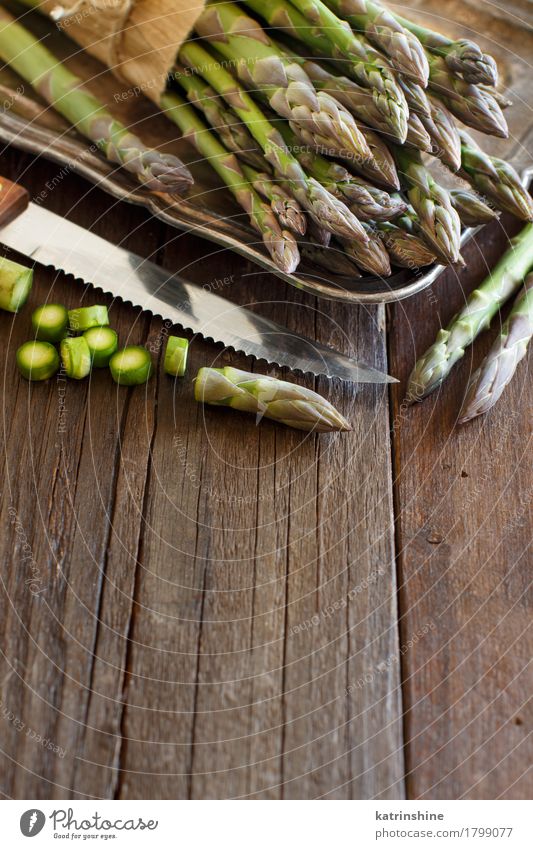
(196, 607)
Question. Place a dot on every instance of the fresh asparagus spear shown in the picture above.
(471, 208)
(496, 179)
(64, 91)
(415, 96)
(366, 200)
(405, 249)
(280, 244)
(443, 132)
(372, 257)
(268, 397)
(233, 134)
(497, 369)
(382, 167)
(385, 32)
(484, 302)
(438, 219)
(320, 204)
(286, 209)
(476, 107)
(271, 74)
(463, 57)
(329, 37)
(417, 135)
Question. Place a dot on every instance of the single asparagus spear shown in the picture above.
(320, 204)
(497, 369)
(496, 179)
(385, 32)
(417, 135)
(268, 397)
(372, 257)
(329, 37)
(438, 219)
(415, 96)
(282, 82)
(476, 107)
(159, 172)
(280, 244)
(233, 134)
(443, 132)
(405, 249)
(484, 302)
(463, 57)
(472, 209)
(287, 210)
(367, 201)
(382, 167)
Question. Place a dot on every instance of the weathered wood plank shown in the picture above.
(465, 534)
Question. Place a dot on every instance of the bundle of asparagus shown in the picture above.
(315, 148)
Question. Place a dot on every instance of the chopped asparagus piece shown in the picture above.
(37, 360)
(50, 322)
(102, 342)
(75, 357)
(176, 356)
(83, 318)
(15, 284)
(131, 366)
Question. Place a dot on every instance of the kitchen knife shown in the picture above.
(54, 241)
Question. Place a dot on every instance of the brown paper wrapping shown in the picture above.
(137, 39)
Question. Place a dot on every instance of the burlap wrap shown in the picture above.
(137, 39)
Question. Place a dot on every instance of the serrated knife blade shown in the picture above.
(54, 241)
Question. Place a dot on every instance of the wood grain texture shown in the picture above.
(218, 608)
(464, 496)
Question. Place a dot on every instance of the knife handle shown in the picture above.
(13, 200)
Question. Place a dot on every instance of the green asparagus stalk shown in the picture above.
(319, 118)
(329, 37)
(232, 132)
(476, 107)
(417, 135)
(64, 91)
(438, 219)
(372, 257)
(435, 365)
(382, 167)
(443, 132)
(280, 244)
(415, 96)
(322, 206)
(405, 249)
(471, 208)
(501, 99)
(489, 381)
(495, 179)
(286, 209)
(385, 32)
(288, 403)
(366, 200)
(463, 57)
